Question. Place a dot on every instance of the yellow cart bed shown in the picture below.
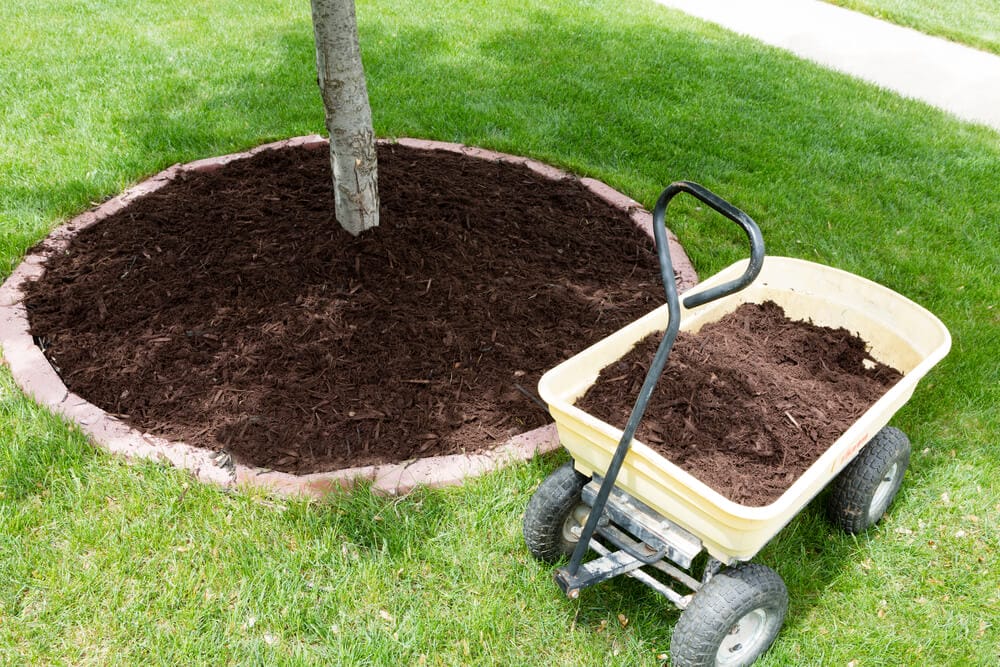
(901, 334)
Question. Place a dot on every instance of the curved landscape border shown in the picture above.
(36, 377)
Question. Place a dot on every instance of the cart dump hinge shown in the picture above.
(646, 524)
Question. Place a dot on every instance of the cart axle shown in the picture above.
(645, 523)
(659, 541)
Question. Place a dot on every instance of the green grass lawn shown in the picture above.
(972, 22)
(107, 563)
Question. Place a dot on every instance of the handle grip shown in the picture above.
(728, 210)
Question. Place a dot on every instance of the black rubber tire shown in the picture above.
(556, 500)
(748, 599)
(865, 489)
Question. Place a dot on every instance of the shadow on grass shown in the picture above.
(183, 119)
(809, 553)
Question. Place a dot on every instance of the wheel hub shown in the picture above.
(881, 498)
(743, 639)
(573, 525)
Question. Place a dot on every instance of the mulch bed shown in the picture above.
(749, 402)
(229, 310)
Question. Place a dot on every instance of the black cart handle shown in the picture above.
(670, 335)
(736, 215)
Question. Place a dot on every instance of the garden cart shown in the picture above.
(645, 517)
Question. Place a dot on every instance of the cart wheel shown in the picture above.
(555, 515)
(864, 489)
(732, 620)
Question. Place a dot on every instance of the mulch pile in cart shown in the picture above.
(749, 402)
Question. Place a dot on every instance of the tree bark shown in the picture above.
(348, 114)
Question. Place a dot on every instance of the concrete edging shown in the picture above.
(36, 377)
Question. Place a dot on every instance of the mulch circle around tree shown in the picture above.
(748, 402)
(229, 310)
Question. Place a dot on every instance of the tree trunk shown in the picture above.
(348, 114)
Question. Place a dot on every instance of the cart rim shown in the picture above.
(883, 493)
(745, 639)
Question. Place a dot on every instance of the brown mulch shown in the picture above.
(229, 310)
(749, 402)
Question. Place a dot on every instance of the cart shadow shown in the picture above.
(809, 554)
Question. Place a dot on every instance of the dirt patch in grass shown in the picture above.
(749, 402)
(229, 310)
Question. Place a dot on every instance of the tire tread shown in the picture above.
(853, 489)
(555, 498)
(713, 610)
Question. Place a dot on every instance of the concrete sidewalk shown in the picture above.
(956, 78)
